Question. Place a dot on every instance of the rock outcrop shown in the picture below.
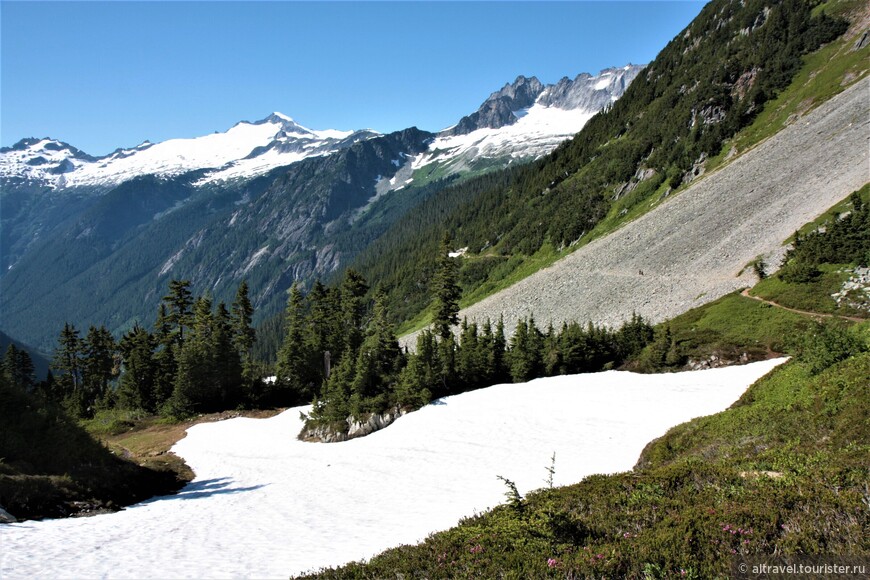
(351, 428)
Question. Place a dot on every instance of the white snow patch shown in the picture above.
(167, 266)
(333, 134)
(233, 219)
(538, 130)
(603, 83)
(255, 259)
(266, 505)
(457, 253)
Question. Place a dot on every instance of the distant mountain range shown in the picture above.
(539, 116)
(95, 240)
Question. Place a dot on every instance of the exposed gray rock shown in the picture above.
(6, 517)
(351, 428)
(498, 109)
(584, 92)
(590, 93)
(855, 292)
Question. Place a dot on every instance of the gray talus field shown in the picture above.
(692, 247)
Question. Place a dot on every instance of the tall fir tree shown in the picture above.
(226, 360)
(293, 381)
(419, 377)
(195, 388)
(165, 357)
(98, 364)
(377, 363)
(323, 336)
(178, 314)
(67, 362)
(470, 357)
(353, 309)
(137, 388)
(445, 290)
(18, 369)
(244, 335)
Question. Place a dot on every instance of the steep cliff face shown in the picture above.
(498, 110)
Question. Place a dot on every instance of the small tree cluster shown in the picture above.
(84, 368)
(17, 369)
(844, 239)
(196, 360)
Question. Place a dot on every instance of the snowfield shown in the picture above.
(266, 505)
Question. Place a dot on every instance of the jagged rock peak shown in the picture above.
(585, 92)
(498, 109)
(522, 92)
(588, 92)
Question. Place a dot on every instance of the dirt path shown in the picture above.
(804, 312)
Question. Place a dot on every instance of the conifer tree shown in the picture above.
(445, 290)
(17, 367)
(497, 368)
(291, 370)
(226, 360)
(446, 367)
(525, 353)
(470, 357)
(552, 353)
(138, 385)
(179, 301)
(195, 386)
(244, 335)
(334, 402)
(353, 291)
(323, 338)
(165, 357)
(633, 336)
(98, 363)
(67, 362)
(419, 376)
(377, 363)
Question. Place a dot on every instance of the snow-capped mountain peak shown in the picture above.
(245, 150)
(525, 119)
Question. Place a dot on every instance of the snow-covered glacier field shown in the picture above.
(266, 505)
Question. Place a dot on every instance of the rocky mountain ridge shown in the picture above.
(585, 94)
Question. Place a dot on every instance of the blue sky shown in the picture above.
(101, 75)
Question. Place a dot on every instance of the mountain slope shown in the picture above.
(695, 247)
(269, 201)
(706, 85)
(295, 222)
